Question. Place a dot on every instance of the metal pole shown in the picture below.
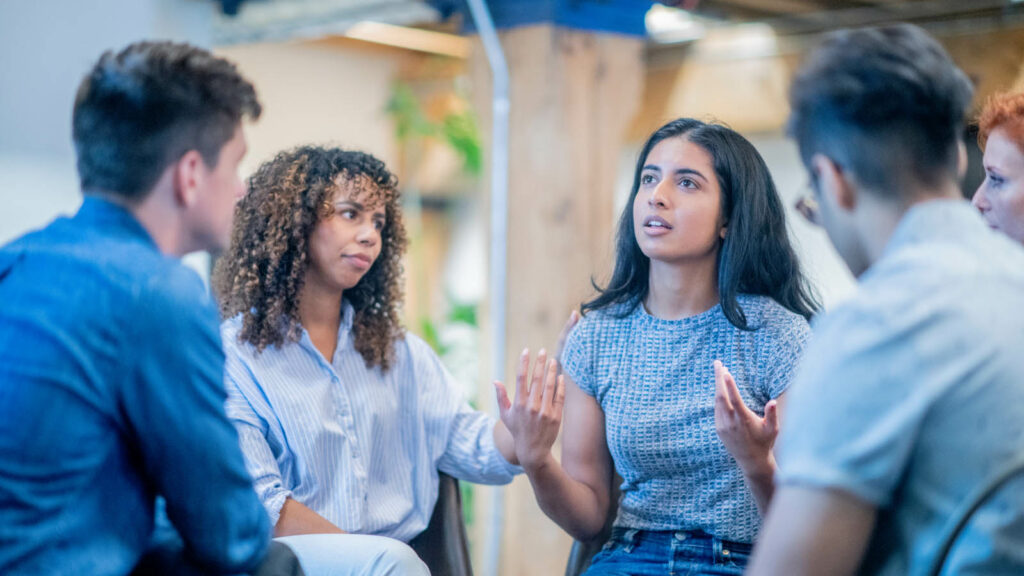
(499, 241)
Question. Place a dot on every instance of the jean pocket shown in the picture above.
(732, 557)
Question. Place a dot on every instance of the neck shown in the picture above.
(159, 215)
(319, 308)
(680, 290)
(881, 217)
(168, 237)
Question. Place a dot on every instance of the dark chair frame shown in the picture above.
(443, 545)
(965, 511)
(583, 551)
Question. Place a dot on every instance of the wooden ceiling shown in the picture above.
(810, 16)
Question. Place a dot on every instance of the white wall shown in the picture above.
(46, 46)
(318, 93)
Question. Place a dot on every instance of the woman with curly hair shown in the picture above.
(1000, 198)
(343, 417)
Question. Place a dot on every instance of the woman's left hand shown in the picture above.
(747, 436)
(535, 415)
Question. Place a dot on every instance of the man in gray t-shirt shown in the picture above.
(911, 394)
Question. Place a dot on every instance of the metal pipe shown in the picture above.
(499, 242)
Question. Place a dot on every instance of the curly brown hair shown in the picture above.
(261, 274)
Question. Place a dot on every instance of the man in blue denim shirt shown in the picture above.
(111, 382)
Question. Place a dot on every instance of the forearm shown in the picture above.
(296, 519)
(573, 505)
(505, 443)
(761, 482)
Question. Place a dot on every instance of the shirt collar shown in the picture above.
(932, 221)
(113, 218)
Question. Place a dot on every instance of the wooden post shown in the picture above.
(572, 97)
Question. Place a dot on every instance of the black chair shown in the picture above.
(582, 552)
(168, 558)
(443, 545)
(958, 521)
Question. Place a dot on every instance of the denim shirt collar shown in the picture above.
(113, 218)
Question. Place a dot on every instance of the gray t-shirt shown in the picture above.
(654, 380)
(912, 393)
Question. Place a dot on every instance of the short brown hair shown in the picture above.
(139, 110)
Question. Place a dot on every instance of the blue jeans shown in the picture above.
(660, 553)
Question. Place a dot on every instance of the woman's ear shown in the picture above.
(723, 231)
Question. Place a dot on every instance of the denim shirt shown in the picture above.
(111, 394)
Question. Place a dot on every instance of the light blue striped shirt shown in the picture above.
(360, 447)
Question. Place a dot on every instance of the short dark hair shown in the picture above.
(140, 109)
(885, 103)
(756, 256)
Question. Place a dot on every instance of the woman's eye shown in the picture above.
(378, 224)
(348, 214)
(688, 183)
(647, 179)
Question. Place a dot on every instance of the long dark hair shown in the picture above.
(755, 257)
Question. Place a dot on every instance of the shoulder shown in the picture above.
(173, 302)
(413, 351)
(771, 320)
(603, 322)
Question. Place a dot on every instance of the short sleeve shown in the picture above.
(785, 351)
(855, 408)
(577, 357)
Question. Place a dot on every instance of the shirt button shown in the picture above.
(680, 536)
(725, 552)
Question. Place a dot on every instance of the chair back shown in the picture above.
(443, 545)
(965, 511)
(582, 552)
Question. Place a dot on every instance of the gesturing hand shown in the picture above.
(747, 436)
(535, 415)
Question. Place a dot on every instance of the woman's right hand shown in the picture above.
(535, 415)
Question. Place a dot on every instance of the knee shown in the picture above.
(395, 558)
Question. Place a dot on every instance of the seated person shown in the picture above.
(910, 394)
(345, 419)
(111, 367)
(704, 276)
(1000, 198)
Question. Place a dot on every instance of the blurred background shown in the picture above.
(408, 81)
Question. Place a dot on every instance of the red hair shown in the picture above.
(1004, 111)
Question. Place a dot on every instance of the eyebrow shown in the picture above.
(681, 171)
(382, 214)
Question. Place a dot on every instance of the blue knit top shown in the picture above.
(655, 382)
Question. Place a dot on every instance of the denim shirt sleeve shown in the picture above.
(173, 404)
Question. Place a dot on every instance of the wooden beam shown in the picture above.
(572, 97)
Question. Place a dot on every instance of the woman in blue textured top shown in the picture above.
(704, 273)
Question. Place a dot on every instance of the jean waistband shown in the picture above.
(698, 542)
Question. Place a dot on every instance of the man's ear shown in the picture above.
(833, 182)
(188, 177)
